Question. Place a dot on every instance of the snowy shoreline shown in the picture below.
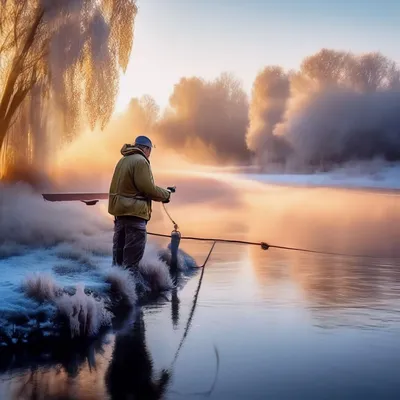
(328, 181)
(365, 177)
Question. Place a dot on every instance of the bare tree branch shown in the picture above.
(17, 65)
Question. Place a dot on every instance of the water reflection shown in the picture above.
(130, 374)
(115, 366)
(265, 310)
(175, 308)
(337, 291)
(68, 373)
(336, 220)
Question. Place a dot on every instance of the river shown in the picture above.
(272, 324)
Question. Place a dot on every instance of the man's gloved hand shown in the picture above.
(171, 189)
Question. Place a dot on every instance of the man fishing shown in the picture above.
(132, 191)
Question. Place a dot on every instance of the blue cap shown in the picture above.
(143, 141)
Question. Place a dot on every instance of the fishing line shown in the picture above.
(189, 324)
(176, 227)
(195, 298)
(91, 199)
(266, 246)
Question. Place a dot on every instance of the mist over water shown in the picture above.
(68, 246)
(247, 292)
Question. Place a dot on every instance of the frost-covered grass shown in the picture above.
(45, 286)
(55, 269)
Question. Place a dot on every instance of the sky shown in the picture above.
(177, 38)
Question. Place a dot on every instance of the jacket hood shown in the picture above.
(130, 149)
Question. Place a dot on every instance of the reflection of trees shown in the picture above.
(334, 220)
(65, 373)
(334, 288)
(270, 267)
(339, 282)
(337, 290)
(74, 371)
(68, 355)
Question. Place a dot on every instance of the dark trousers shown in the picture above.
(129, 241)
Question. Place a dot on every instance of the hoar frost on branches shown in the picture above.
(208, 119)
(340, 107)
(61, 56)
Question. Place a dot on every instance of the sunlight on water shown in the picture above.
(328, 325)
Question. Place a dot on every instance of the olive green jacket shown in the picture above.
(132, 186)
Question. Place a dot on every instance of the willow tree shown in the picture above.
(62, 57)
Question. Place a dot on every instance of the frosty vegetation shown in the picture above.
(338, 108)
(57, 275)
(59, 70)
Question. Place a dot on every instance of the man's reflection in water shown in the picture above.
(130, 374)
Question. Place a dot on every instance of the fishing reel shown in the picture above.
(171, 189)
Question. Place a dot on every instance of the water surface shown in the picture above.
(267, 324)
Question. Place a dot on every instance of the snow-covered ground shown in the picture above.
(368, 175)
(70, 281)
(389, 178)
(56, 266)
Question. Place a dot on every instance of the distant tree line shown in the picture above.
(337, 107)
(59, 75)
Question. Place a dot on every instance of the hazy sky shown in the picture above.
(175, 38)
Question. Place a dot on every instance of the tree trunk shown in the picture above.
(12, 97)
(3, 133)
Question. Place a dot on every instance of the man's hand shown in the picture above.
(171, 189)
